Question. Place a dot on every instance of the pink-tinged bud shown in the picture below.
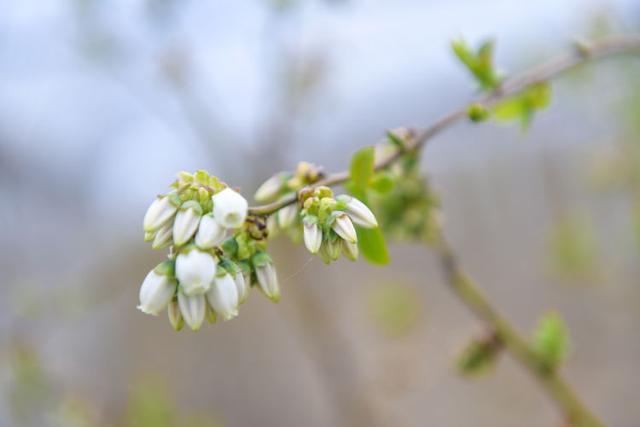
(186, 222)
(160, 211)
(343, 227)
(359, 213)
(229, 208)
(195, 271)
(223, 296)
(210, 233)
(193, 309)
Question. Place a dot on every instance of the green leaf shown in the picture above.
(382, 183)
(372, 245)
(523, 105)
(361, 170)
(479, 63)
(551, 339)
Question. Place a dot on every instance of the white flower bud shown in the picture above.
(343, 227)
(186, 222)
(312, 236)
(210, 313)
(350, 250)
(270, 189)
(210, 233)
(193, 309)
(359, 213)
(195, 271)
(229, 208)
(268, 281)
(163, 237)
(242, 286)
(175, 317)
(160, 211)
(287, 215)
(157, 290)
(223, 296)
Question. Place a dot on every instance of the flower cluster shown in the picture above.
(217, 252)
(328, 223)
(285, 185)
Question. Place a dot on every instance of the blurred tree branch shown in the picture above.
(574, 411)
(582, 53)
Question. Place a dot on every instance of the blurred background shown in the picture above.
(102, 102)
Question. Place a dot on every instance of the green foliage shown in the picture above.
(479, 63)
(479, 356)
(371, 242)
(409, 210)
(395, 308)
(551, 340)
(523, 105)
(362, 171)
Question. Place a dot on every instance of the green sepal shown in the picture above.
(230, 246)
(166, 268)
(192, 204)
(396, 140)
(227, 266)
(260, 259)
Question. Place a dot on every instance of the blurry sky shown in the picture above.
(85, 98)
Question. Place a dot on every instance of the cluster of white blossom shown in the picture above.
(328, 223)
(218, 250)
(217, 253)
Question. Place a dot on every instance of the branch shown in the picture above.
(575, 412)
(581, 54)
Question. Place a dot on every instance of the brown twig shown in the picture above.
(581, 54)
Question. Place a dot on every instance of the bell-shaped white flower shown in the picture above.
(163, 237)
(223, 296)
(186, 222)
(268, 281)
(210, 233)
(359, 213)
(195, 271)
(343, 227)
(229, 208)
(193, 309)
(287, 215)
(175, 317)
(242, 286)
(312, 236)
(157, 289)
(350, 250)
(270, 189)
(160, 211)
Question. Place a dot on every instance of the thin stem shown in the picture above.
(582, 53)
(575, 412)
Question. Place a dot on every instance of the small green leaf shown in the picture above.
(551, 339)
(361, 170)
(372, 245)
(477, 112)
(523, 105)
(382, 183)
(479, 63)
